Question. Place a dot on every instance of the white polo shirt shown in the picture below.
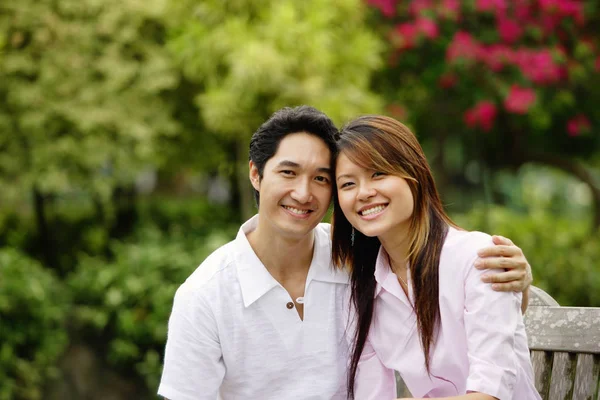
(232, 333)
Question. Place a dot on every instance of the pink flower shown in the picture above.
(450, 9)
(572, 9)
(496, 56)
(522, 10)
(428, 27)
(482, 115)
(577, 125)
(519, 99)
(539, 66)
(387, 7)
(416, 7)
(462, 46)
(510, 31)
(549, 6)
(448, 80)
(549, 23)
(407, 33)
(471, 118)
(563, 8)
(496, 6)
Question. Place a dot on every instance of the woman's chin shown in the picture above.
(370, 232)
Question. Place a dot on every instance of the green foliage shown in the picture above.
(80, 86)
(249, 58)
(252, 57)
(195, 216)
(75, 225)
(125, 303)
(563, 255)
(33, 311)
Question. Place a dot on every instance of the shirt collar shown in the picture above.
(256, 281)
(254, 278)
(321, 268)
(382, 270)
(385, 277)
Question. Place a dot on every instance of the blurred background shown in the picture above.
(124, 130)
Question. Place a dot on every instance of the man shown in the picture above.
(261, 317)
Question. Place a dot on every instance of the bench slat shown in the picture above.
(537, 297)
(542, 368)
(563, 376)
(575, 329)
(586, 376)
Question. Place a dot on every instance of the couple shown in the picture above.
(290, 310)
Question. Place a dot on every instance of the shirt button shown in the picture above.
(290, 305)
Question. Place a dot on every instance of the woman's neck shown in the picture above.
(396, 245)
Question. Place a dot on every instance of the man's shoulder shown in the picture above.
(324, 230)
(213, 266)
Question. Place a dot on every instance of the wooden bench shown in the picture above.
(565, 349)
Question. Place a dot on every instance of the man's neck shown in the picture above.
(285, 258)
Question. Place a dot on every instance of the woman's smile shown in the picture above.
(372, 211)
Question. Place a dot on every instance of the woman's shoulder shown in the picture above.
(461, 237)
(461, 246)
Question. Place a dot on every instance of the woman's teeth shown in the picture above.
(373, 210)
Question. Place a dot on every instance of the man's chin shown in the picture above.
(288, 230)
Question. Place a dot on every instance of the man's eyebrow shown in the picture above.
(287, 163)
(291, 164)
(324, 170)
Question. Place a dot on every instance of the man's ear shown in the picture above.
(254, 176)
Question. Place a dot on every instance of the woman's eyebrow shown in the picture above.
(343, 176)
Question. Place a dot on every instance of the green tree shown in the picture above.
(252, 57)
(81, 105)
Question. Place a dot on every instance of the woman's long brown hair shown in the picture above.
(383, 144)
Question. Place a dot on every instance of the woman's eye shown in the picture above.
(346, 184)
(378, 173)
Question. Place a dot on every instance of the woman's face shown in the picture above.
(375, 203)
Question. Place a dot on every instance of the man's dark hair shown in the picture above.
(265, 141)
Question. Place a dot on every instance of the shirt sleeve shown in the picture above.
(193, 366)
(491, 322)
(374, 381)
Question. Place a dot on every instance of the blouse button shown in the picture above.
(290, 305)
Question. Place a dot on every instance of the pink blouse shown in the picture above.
(481, 345)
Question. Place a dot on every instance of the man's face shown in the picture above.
(295, 190)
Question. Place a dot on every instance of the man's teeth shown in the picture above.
(296, 211)
(372, 210)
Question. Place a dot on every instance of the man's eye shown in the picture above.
(322, 179)
(287, 172)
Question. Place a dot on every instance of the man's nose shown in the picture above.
(302, 192)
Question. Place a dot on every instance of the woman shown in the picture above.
(421, 307)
